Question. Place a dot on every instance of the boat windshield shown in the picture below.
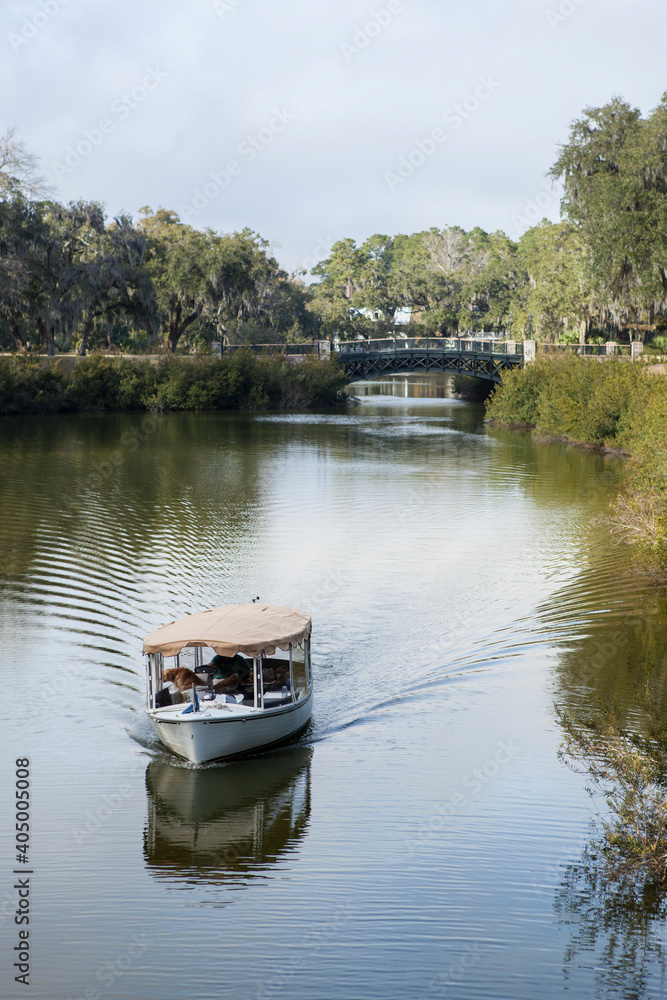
(254, 682)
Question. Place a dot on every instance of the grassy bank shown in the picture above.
(236, 381)
(610, 404)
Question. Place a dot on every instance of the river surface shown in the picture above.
(421, 838)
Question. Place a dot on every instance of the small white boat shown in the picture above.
(271, 699)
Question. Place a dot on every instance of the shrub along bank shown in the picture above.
(612, 404)
(236, 381)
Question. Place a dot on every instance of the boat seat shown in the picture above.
(163, 698)
(276, 697)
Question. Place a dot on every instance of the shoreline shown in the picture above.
(618, 411)
(603, 449)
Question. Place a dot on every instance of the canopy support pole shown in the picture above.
(261, 679)
(150, 687)
(291, 674)
(155, 680)
(309, 673)
(254, 681)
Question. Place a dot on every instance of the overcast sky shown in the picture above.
(312, 120)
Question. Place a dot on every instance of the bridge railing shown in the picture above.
(484, 345)
(431, 344)
(309, 348)
(585, 350)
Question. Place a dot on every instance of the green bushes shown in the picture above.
(581, 399)
(515, 402)
(639, 513)
(235, 381)
(26, 387)
(612, 403)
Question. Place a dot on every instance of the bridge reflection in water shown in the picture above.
(217, 824)
(480, 358)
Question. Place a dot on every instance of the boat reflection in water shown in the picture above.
(223, 823)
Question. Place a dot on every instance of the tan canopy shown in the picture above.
(238, 628)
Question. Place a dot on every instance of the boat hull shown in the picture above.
(202, 738)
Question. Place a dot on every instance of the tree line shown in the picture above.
(600, 271)
(70, 278)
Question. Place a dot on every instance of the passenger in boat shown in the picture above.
(275, 674)
(230, 671)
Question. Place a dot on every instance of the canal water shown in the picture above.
(421, 838)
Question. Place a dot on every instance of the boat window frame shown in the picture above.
(154, 678)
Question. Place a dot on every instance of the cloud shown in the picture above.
(354, 117)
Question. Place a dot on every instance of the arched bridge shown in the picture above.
(485, 359)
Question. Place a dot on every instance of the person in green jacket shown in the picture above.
(230, 671)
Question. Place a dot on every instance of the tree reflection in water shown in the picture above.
(616, 923)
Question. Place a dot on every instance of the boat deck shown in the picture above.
(214, 707)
